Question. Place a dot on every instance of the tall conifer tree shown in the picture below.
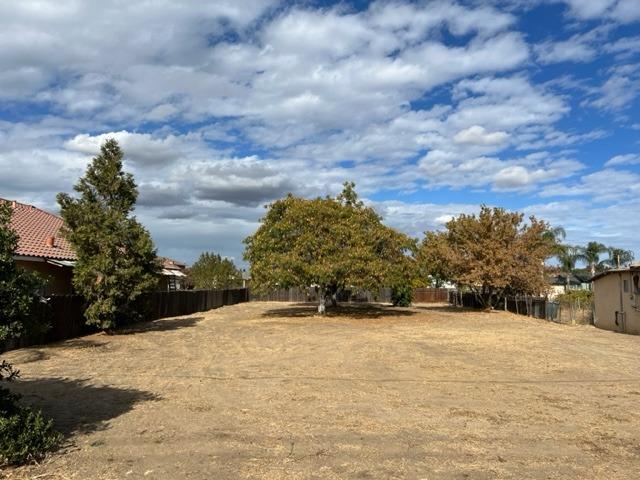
(116, 257)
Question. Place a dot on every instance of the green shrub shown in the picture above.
(25, 435)
(585, 297)
(401, 295)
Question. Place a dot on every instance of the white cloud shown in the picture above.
(625, 47)
(587, 9)
(623, 11)
(626, 11)
(223, 107)
(519, 177)
(141, 149)
(628, 159)
(587, 221)
(581, 47)
(477, 135)
(606, 185)
(505, 103)
(620, 89)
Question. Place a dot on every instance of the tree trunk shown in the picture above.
(330, 294)
(321, 300)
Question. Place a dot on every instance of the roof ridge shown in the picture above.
(34, 207)
(35, 228)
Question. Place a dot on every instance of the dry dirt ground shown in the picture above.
(268, 390)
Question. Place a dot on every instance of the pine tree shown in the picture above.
(117, 260)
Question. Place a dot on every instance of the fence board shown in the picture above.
(430, 295)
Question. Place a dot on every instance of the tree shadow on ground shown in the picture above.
(77, 343)
(160, 325)
(451, 309)
(360, 311)
(40, 352)
(77, 406)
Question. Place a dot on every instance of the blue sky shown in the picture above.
(432, 108)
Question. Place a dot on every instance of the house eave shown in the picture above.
(27, 258)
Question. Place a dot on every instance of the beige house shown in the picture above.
(616, 297)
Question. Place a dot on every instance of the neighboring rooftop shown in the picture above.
(172, 268)
(39, 233)
(577, 278)
(633, 267)
(171, 264)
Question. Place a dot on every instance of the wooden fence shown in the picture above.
(284, 295)
(185, 302)
(430, 295)
(538, 307)
(65, 313)
(420, 295)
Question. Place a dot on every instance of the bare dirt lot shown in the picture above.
(267, 390)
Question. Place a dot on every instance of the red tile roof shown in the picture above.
(34, 227)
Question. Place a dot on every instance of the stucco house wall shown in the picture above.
(617, 301)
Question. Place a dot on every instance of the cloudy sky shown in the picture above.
(430, 107)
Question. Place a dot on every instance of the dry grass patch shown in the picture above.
(270, 390)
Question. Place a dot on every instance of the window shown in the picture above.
(636, 287)
(625, 286)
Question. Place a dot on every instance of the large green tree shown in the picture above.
(332, 243)
(18, 288)
(493, 253)
(117, 260)
(211, 271)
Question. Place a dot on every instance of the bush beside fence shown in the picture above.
(65, 316)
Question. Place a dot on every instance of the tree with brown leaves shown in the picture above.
(492, 254)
